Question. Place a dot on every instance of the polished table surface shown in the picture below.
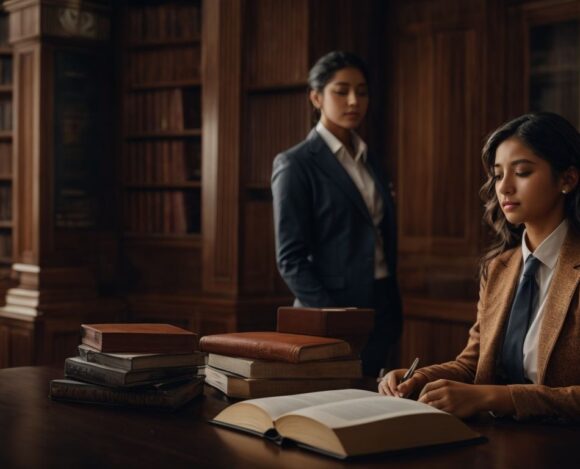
(37, 432)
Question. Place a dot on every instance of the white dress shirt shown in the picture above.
(356, 169)
(547, 253)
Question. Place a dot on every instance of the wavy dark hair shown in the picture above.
(550, 137)
(326, 66)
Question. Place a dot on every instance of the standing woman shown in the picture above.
(522, 357)
(333, 211)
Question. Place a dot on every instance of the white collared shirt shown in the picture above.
(356, 169)
(547, 253)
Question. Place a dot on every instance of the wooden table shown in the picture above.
(36, 432)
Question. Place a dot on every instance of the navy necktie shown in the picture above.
(512, 356)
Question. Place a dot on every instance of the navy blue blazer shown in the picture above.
(325, 238)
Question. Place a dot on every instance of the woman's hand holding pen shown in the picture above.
(391, 384)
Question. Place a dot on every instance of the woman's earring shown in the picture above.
(564, 191)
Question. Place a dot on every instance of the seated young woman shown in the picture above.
(522, 355)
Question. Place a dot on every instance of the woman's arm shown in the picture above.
(292, 225)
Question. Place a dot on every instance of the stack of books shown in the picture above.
(138, 365)
(262, 364)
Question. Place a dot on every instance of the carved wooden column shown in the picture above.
(60, 138)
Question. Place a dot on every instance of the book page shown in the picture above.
(276, 406)
(363, 410)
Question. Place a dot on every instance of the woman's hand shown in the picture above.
(464, 400)
(391, 384)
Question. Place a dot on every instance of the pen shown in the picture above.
(407, 374)
(410, 371)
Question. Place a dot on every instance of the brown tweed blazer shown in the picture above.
(557, 394)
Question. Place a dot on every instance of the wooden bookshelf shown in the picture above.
(554, 69)
(161, 149)
(6, 186)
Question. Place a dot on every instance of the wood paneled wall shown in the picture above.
(443, 61)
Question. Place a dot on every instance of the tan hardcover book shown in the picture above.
(245, 388)
(276, 346)
(138, 338)
(346, 422)
(253, 368)
(326, 322)
(141, 361)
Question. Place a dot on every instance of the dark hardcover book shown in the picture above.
(77, 368)
(171, 395)
(141, 361)
(138, 338)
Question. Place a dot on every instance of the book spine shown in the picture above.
(93, 374)
(91, 337)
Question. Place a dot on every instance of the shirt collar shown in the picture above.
(336, 145)
(549, 249)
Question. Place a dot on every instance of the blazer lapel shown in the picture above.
(557, 304)
(328, 163)
(500, 292)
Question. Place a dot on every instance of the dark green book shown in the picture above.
(169, 395)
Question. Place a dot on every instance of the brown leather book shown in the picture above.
(138, 338)
(325, 322)
(291, 348)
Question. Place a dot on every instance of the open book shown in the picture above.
(346, 422)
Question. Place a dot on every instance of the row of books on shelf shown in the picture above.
(161, 66)
(163, 110)
(5, 113)
(164, 22)
(5, 202)
(5, 158)
(6, 70)
(162, 161)
(169, 212)
(5, 246)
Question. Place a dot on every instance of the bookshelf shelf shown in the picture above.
(5, 135)
(166, 84)
(6, 177)
(5, 88)
(164, 185)
(6, 224)
(5, 50)
(167, 43)
(165, 134)
(277, 87)
(184, 240)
